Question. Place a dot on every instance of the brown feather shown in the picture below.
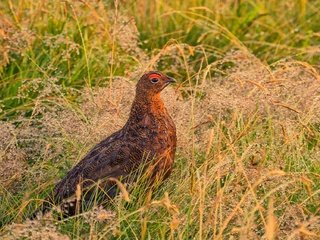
(149, 131)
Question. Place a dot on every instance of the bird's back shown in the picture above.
(112, 157)
(151, 139)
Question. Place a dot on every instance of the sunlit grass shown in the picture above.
(247, 165)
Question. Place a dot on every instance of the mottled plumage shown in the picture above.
(148, 137)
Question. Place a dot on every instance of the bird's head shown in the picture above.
(152, 83)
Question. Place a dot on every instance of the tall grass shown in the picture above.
(246, 108)
(87, 43)
(270, 29)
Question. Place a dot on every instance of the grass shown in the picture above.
(246, 109)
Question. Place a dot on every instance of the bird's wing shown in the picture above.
(113, 157)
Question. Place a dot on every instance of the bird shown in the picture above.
(148, 140)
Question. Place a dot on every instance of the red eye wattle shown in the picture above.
(154, 75)
(154, 78)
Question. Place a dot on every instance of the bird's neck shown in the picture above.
(147, 104)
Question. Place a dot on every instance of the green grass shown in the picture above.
(253, 175)
(73, 42)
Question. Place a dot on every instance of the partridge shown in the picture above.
(147, 140)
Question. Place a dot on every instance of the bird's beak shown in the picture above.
(171, 80)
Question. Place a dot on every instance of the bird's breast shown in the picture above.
(154, 132)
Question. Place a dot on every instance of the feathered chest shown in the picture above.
(154, 132)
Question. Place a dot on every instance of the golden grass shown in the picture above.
(233, 170)
(247, 164)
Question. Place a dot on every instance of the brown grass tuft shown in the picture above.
(12, 159)
(33, 230)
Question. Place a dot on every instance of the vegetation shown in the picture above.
(246, 106)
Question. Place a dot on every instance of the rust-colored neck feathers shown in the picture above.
(147, 104)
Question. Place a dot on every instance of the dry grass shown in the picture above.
(234, 171)
(247, 164)
(12, 159)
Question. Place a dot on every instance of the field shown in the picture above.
(246, 105)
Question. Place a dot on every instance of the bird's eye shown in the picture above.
(154, 80)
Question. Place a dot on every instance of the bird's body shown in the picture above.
(148, 137)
